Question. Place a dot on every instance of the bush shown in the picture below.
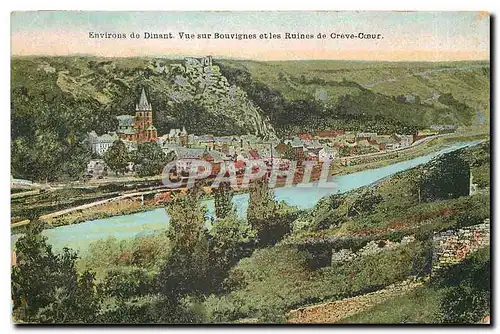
(280, 279)
(467, 289)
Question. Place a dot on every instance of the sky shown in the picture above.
(407, 36)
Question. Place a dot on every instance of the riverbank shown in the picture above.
(110, 209)
(129, 206)
(432, 145)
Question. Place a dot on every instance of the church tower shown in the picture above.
(144, 120)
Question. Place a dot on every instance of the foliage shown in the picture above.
(46, 287)
(279, 278)
(271, 220)
(365, 203)
(420, 306)
(124, 284)
(186, 266)
(143, 251)
(223, 197)
(149, 159)
(460, 296)
(117, 157)
(57, 101)
(230, 240)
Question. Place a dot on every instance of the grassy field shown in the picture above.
(403, 309)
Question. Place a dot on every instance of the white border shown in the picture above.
(379, 5)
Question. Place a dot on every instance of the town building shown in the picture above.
(100, 144)
(96, 167)
(370, 136)
(138, 128)
(327, 154)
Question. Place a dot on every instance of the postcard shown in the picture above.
(250, 167)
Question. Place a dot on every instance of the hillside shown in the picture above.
(199, 98)
(373, 95)
(56, 101)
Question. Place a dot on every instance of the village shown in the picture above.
(318, 147)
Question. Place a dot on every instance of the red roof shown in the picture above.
(239, 164)
(254, 154)
(306, 136)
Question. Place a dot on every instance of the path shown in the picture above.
(341, 309)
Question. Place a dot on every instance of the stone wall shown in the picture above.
(451, 247)
(373, 247)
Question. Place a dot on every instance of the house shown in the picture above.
(216, 159)
(268, 153)
(403, 140)
(185, 158)
(326, 134)
(167, 148)
(282, 149)
(305, 136)
(311, 156)
(96, 167)
(298, 149)
(424, 133)
(254, 155)
(327, 154)
(443, 128)
(100, 144)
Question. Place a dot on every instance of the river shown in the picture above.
(79, 236)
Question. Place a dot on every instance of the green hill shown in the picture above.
(383, 96)
(56, 101)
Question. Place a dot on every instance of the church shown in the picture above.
(138, 128)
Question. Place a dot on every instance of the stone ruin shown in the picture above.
(373, 247)
(452, 246)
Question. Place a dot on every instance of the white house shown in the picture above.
(185, 157)
(100, 144)
(96, 167)
(327, 154)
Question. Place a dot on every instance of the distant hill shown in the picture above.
(366, 95)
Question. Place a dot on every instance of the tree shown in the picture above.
(185, 269)
(75, 167)
(446, 177)
(150, 159)
(117, 157)
(230, 240)
(127, 284)
(223, 197)
(270, 220)
(46, 287)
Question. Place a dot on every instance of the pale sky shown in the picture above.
(423, 36)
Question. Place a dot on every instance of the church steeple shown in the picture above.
(143, 102)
